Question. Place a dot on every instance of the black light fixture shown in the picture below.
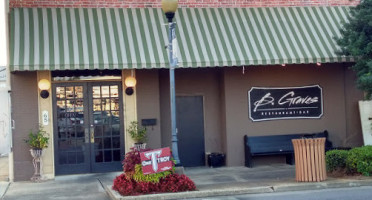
(130, 82)
(44, 86)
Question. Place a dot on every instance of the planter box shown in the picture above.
(216, 160)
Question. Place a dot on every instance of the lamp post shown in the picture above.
(169, 8)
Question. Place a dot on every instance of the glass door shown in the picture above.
(105, 127)
(88, 128)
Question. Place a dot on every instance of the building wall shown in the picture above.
(148, 103)
(25, 113)
(182, 3)
(4, 168)
(195, 82)
(225, 106)
(225, 92)
(354, 131)
(339, 102)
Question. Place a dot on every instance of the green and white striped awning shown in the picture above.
(109, 38)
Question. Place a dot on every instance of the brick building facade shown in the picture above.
(226, 48)
(182, 3)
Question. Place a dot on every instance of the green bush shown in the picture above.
(360, 160)
(153, 178)
(137, 132)
(336, 159)
(38, 139)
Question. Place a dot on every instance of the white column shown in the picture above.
(5, 117)
(130, 109)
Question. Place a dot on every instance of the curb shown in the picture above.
(3, 188)
(322, 185)
(192, 194)
(298, 186)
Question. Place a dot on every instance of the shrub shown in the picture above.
(360, 160)
(137, 133)
(38, 139)
(171, 183)
(123, 185)
(154, 178)
(176, 183)
(131, 159)
(336, 159)
(133, 182)
(127, 186)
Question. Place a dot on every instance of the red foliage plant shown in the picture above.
(172, 183)
(132, 158)
(176, 183)
(126, 185)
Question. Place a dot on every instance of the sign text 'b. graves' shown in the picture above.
(285, 103)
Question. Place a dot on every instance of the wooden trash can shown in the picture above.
(310, 159)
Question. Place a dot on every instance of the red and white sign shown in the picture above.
(156, 161)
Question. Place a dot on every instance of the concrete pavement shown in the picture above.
(86, 186)
(228, 181)
(209, 181)
(3, 188)
(354, 193)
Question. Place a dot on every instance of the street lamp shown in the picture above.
(169, 8)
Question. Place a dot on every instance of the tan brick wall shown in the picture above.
(182, 3)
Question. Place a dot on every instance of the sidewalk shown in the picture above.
(209, 181)
(241, 180)
(3, 188)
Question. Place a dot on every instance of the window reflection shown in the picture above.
(70, 124)
(104, 113)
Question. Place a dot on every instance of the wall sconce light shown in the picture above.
(130, 82)
(44, 86)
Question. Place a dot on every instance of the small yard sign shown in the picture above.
(285, 103)
(156, 161)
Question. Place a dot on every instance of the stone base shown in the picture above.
(180, 170)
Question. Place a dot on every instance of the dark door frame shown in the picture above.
(203, 116)
(89, 165)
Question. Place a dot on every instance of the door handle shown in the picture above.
(92, 134)
(86, 132)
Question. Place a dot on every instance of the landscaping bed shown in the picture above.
(349, 163)
(133, 182)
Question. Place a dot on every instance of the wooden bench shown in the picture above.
(276, 145)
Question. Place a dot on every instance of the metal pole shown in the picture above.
(173, 63)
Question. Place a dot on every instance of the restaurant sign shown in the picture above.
(270, 103)
(155, 161)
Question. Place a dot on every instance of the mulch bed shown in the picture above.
(343, 173)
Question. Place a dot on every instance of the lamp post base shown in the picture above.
(179, 170)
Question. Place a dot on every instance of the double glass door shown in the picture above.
(88, 128)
